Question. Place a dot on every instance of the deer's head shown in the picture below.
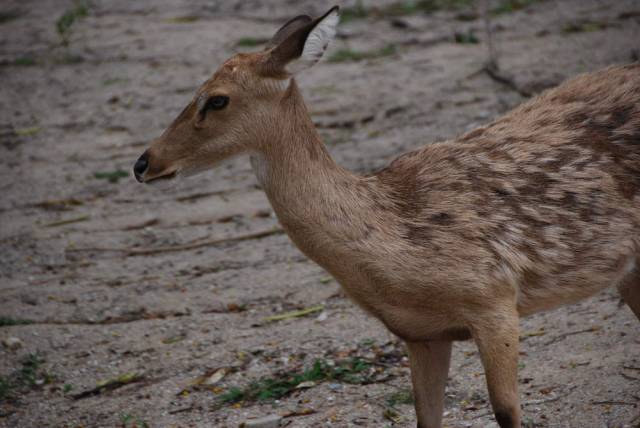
(233, 110)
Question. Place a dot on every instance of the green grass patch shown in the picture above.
(112, 176)
(9, 15)
(344, 55)
(367, 343)
(349, 13)
(508, 6)
(5, 388)
(30, 130)
(402, 8)
(114, 81)
(188, 19)
(354, 370)
(69, 59)
(402, 396)
(25, 61)
(233, 395)
(64, 24)
(29, 376)
(251, 42)
(584, 27)
(8, 321)
(131, 421)
(468, 38)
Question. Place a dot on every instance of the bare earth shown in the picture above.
(167, 319)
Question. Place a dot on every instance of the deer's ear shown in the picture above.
(287, 29)
(301, 42)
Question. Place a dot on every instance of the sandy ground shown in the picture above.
(165, 320)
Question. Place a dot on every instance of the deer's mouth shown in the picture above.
(159, 178)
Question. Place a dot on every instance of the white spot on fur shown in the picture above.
(276, 85)
(260, 167)
(201, 100)
(316, 43)
(628, 267)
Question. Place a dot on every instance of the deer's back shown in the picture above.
(547, 197)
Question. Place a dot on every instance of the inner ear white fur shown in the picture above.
(316, 43)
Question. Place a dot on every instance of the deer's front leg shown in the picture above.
(496, 336)
(629, 289)
(429, 368)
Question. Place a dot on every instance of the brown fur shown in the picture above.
(457, 239)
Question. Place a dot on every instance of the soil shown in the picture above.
(74, 118)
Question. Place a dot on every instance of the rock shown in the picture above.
(271, 421)
(28, 300)
(12, 343)
(306, 384)
(323, 316)
(215, 377)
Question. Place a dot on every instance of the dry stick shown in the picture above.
(183, 247)
(180, 410)
(627, 377)
(491, 67)
(68, 221)
(142, 316)
(493, 57)
(571, 333)
(543, 400)
(110, 384)
(493, 72)
(295, 314)
(532, 402)
(615, 403)
(201, 195)
(526, 403)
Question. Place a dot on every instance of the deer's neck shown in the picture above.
(321, 205)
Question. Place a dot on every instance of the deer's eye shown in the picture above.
(217, 102)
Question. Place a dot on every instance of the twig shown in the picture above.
(295, 314)
(481, 414)
(180, 410)
(147, 223)
(615, 403)
(492, 67)
(183, 247)
(543, 400)
(532, 402)
(486, 18)
(110, 384)
(492, 70)
(301, 412)
(122, 319)
(201, 195)
(68, 221)
(572, 333)
(627, 377)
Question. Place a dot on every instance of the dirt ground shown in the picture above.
(177, 331)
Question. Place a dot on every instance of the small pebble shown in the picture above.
(271, 421)
(12, 343)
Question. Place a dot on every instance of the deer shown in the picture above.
(456, 240)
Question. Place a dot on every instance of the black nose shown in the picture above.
(141, 166)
